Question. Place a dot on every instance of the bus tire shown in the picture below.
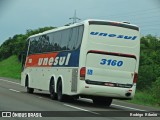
(102, 101)
(109, 102)
(29, 90)
(53, 95)
(60, 95)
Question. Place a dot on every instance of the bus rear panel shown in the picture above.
(112, 60)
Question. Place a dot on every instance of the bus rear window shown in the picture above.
(114, 24)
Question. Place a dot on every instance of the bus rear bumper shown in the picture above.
(107, 91)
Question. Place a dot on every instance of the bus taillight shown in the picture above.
(135, 77)
(82, 73)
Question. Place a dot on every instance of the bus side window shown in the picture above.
(49, 47)
(79, 36)
(64, 39)
(69, 45)
(75, 37)
(33, 46)
(36, 45)
(72, 39)
(57, 39)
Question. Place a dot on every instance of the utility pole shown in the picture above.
(75, 18)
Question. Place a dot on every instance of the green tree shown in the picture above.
(156, 90)
(149, 68)
(14, 45)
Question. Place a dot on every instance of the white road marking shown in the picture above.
(117, 105)
(81, 109)
(14, 90)
(10, 82)
(127, 107)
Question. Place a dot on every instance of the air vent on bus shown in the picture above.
(126, 22)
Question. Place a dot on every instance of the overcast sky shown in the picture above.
(16, 16)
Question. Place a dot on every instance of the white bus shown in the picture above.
(94, 59)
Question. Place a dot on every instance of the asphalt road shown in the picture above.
(13, 97)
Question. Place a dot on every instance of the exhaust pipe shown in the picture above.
(128, 94)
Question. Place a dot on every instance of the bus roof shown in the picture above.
(56, 29)
(90, 21)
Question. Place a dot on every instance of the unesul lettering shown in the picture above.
(113, 35)
(54, 61)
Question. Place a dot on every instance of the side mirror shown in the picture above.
(20, 56)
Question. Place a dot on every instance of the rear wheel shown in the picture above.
(102, 101)
(30, 90)
(53, 95)
(60, 95)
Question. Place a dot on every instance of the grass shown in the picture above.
(145, 98)
(10, 68)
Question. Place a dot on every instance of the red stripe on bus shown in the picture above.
(40, 60)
